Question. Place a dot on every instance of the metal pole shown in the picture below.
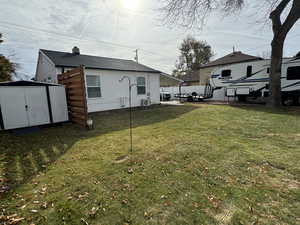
(130, 116)
(130, 109)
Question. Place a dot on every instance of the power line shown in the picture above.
(18, 26)
(64, 35)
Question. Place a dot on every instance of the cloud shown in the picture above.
(105, 28)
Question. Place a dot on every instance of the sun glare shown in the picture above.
(130, 4)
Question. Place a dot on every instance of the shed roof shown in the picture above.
(26, 83)
(190, 77)
(235, 57)
(171, 77)
(66, 59)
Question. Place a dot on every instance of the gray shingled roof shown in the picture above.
(235, 57)
(190, 77)
(26, 83)
(65, 59)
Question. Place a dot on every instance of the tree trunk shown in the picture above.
(275, 72)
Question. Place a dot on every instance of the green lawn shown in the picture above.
(192, 164)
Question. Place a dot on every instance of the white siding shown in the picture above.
(115, 93)
(45, 69)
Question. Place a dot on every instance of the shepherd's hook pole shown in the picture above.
(130, 109)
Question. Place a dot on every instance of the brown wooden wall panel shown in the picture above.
(77, 92)
(76, 109)
(76, 103)
(77, 98)
(74, 82)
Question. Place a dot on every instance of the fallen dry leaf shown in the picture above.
(93, 211)
(84, 221)
(15, 220)
(23, 207)
(44, 205)
(125, 201)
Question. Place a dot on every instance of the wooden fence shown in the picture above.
(74, 82)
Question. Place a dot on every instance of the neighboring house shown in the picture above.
(167, 80)
(191, 78)
(102, 75)
(232, 58)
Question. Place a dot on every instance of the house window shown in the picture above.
(249, 71)
(141, 86)
(93, 86)
(226, 73)
(293, 73)
(268, 70)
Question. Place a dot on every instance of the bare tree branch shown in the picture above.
(276, 14)
(190, 13)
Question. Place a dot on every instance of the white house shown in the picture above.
(104, 90)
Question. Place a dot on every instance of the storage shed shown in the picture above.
(28, 103)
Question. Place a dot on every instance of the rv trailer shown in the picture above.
(250, 80)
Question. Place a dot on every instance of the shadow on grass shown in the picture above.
(292, 110)
(22, 157)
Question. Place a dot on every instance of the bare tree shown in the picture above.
(193, 53)
(190, 13)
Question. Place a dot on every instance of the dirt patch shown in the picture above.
(291, 184)
(225, 216)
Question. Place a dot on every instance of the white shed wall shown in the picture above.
(219, 94)
(199, 89)
(58, 102)
(26, 106)
(115, 93)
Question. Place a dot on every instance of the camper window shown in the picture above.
(93, 86)
(226, 73)
(293, 73)
(249, 71)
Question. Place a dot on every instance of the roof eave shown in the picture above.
(223, 64)
(99, 68)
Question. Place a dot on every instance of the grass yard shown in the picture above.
(192, 164)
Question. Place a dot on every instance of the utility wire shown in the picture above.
(27, 28)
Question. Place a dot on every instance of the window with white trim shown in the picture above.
(93, 86)
(141, 85)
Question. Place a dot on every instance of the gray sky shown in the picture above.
(115, 28)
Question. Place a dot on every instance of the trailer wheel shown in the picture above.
(242, 98)
(288, 101)
(190, 99)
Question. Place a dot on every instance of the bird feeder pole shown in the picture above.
(130, 108)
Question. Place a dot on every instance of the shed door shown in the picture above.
(12, 100)
(37, 105)
(58, 104)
